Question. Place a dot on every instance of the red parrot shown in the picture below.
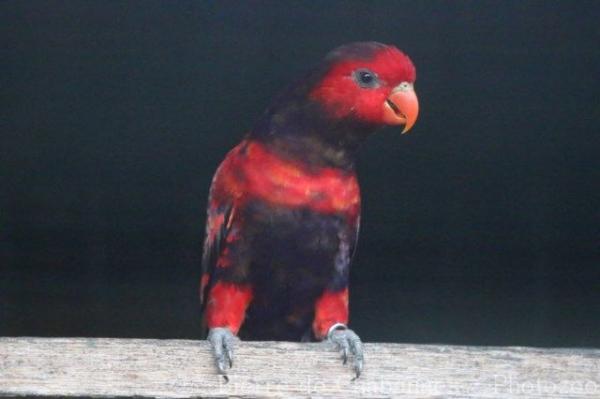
(284, 205)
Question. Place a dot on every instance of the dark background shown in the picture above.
(482, 226)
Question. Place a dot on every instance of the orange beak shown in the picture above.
(401, 107)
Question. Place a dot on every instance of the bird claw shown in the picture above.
(222, 341)
(344, 356)
(348, 342)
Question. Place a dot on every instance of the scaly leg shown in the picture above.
(348, 342)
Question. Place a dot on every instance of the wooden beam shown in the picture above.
(184, 369)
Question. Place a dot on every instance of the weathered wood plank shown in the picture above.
(181, 368)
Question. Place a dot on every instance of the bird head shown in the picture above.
(370, 83)
(324, 117)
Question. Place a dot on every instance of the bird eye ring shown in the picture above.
(366, 78)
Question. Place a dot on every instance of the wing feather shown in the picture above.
(218, 226)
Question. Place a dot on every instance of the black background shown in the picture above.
(480, 227)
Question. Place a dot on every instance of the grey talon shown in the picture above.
(357, 350)
(222, 341)
(358, 366)
(230, 357)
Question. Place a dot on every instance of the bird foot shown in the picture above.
(349, 343)
(223, 342)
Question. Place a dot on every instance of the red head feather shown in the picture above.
(340, 92)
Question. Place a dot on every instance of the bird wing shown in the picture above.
(218, 225)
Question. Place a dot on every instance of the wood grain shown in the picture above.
(184, 369)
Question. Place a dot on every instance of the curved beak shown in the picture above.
(401, 107)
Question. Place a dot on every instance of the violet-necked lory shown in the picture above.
(284, 205)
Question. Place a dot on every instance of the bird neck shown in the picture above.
(299, 129)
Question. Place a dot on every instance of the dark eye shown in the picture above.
(366, 78)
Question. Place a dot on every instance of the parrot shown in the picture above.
(284, 205)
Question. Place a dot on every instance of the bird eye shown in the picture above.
(366, 78)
